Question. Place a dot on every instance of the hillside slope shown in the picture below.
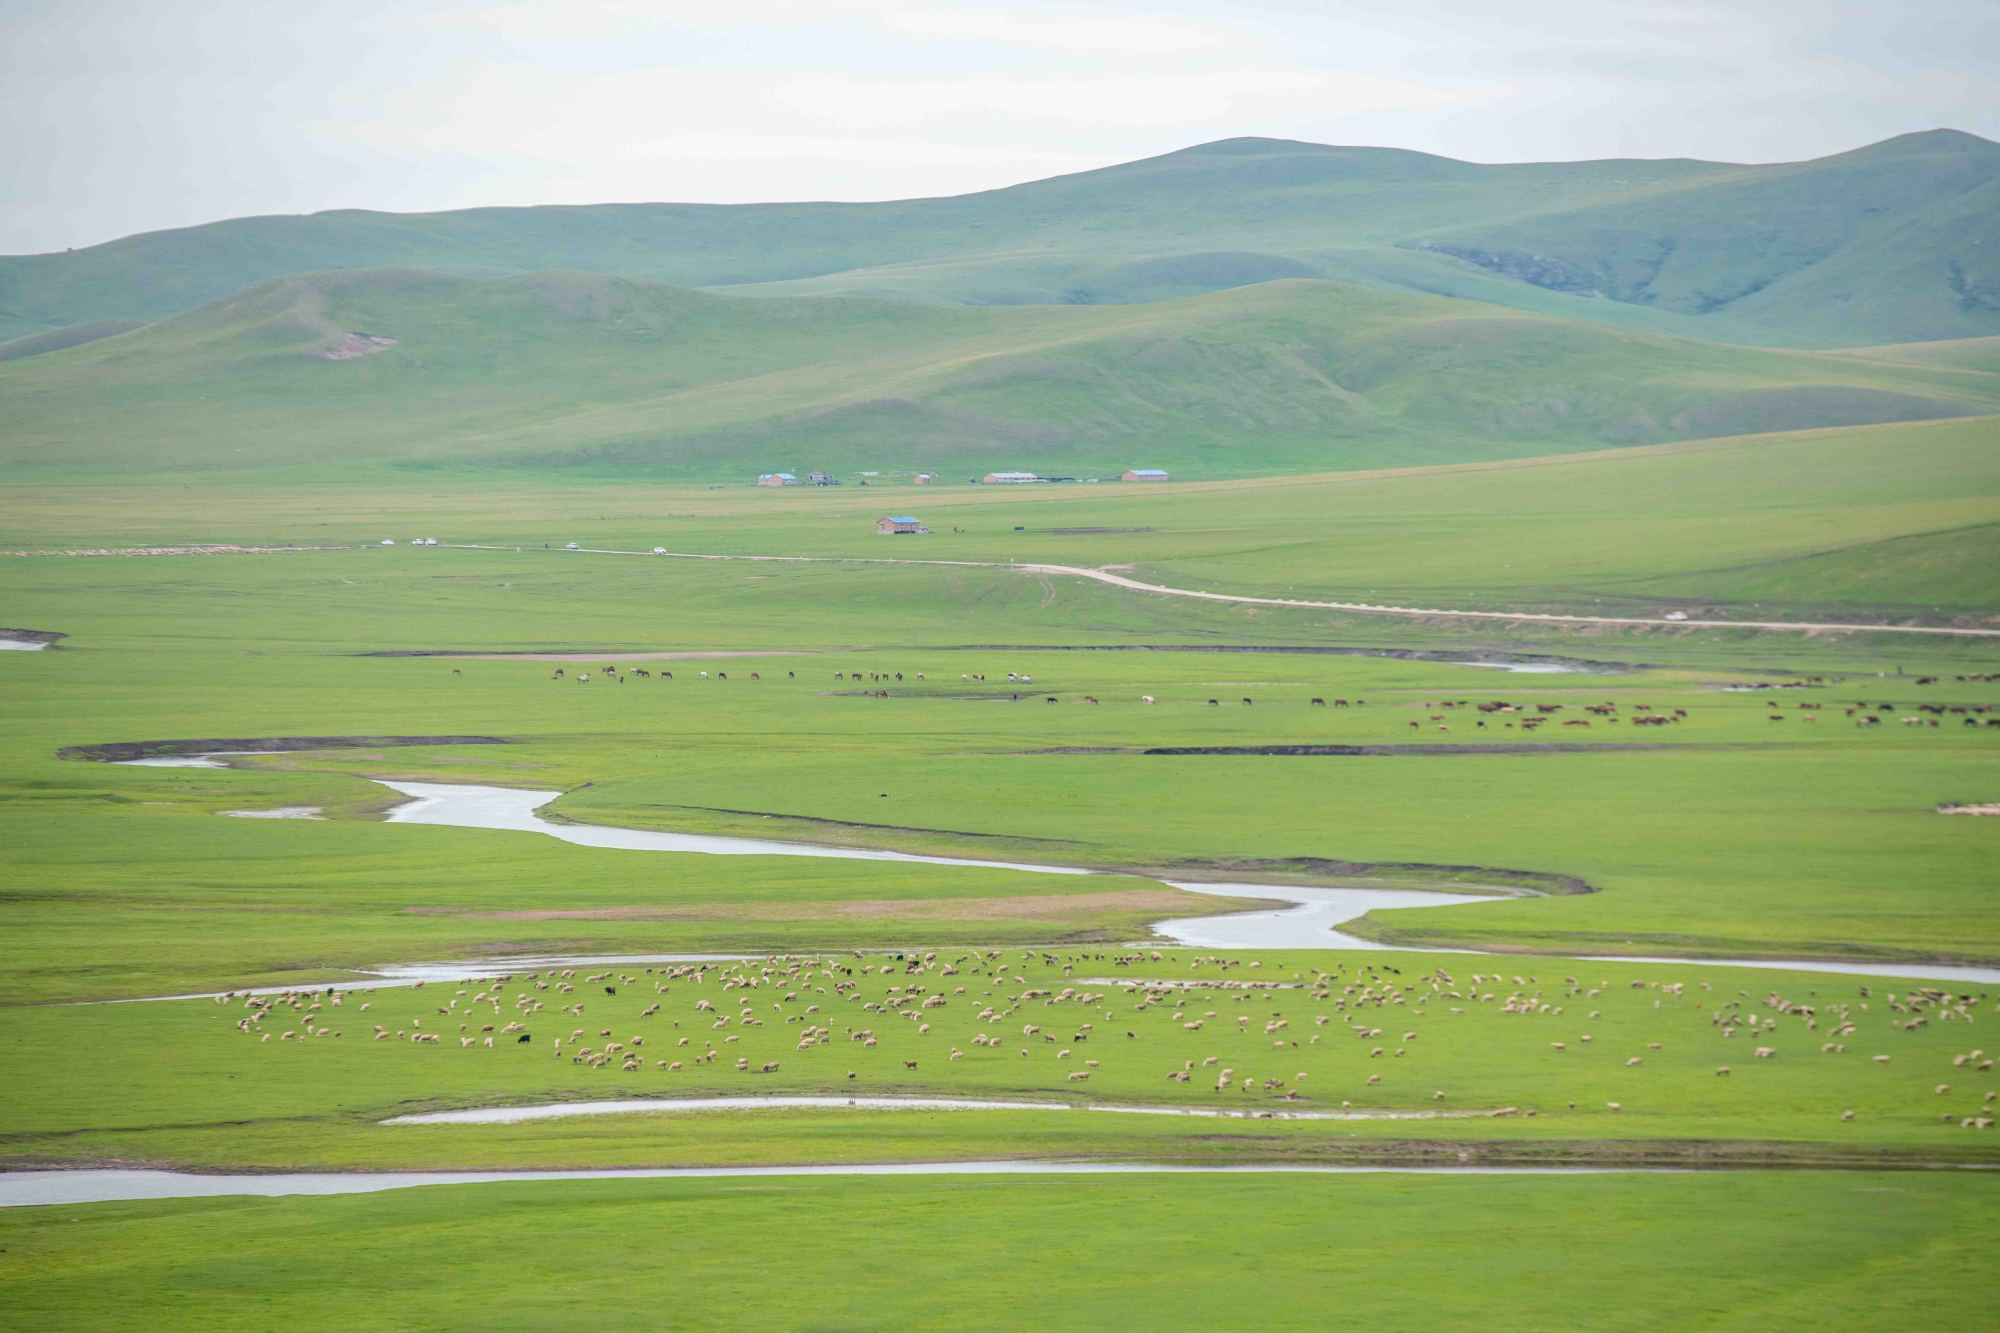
(1899, 241)
(579, 373)
(1858, 248)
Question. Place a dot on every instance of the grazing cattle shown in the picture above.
(1147, 699)
(1319, 703)
(1248, 701)
(558, 675)
(1212, 703)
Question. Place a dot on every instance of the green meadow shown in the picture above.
(1892, 523)
(1718, 1251)
(554, 375)
(1764, 822)
(1538, 1062)
(1736, 425)
(1725, 833)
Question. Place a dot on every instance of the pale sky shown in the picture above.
(119, 116)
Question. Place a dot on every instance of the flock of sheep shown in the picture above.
(1348, 1034)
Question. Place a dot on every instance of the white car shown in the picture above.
(1675, 615)
(659, 550)
(388, 541)
(572, 547)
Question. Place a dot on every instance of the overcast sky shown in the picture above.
(119, 116)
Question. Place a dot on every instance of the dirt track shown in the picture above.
(1366, 608)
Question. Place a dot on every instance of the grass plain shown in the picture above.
(1635, 1252)
(1728, 833)
(1892, 522)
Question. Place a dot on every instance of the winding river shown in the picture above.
(513, 1115)
(23, 1189)
(1310, 921)
(1311, 918)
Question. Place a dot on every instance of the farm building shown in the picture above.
(1144, 474)
(777, 479)
(898, 523)
(1009, 478)
(824, 478)
(923, 479)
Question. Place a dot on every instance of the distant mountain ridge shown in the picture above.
(1895, 242)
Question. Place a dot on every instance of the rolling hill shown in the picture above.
(1895, 242)
(578, 374)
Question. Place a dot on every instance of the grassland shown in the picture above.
(1731, 834)
(1895, 522)
(1736, 835)
(559, 373)
(1603, 1252)
(1540, 1062)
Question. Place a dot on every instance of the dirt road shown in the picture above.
(1365, 608)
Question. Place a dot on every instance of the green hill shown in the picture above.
(581, 374)
(1889, 243)
(1905, 234)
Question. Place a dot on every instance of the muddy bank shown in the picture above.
(1324, 871)
(116, 752)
